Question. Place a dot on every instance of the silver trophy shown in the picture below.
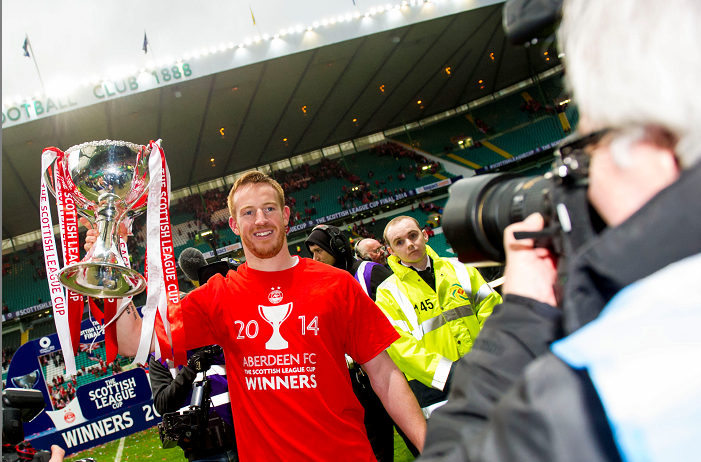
(275, 316)
(108, 181)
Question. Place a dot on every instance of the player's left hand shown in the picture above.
(93, 233)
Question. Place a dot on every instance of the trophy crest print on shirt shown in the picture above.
(275, 295)
(275, 316)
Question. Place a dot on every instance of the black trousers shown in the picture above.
(378, 424)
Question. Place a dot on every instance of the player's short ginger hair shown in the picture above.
(397, 220)
(254, 177)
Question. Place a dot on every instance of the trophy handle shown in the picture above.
(136, 203)
(81, 203)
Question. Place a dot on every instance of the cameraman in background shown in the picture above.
(604, 370)
(171, 394)
(369, 249)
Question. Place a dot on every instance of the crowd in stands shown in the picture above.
(400, 152)
(37, 263)
(62, 392)
(55, 357)
(297, 179)
(214, 199)
(531, 106)
(362, 194)
(483, 127)
(430, 207)
(101, 369)
(362, 231)
(301, 178)
(214, 225)
(7, 353)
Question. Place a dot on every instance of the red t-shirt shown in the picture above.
(290, 388)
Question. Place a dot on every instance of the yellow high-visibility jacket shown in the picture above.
(436, 327)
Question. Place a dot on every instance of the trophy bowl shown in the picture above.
(108, 181)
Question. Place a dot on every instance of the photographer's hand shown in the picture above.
(200, 361)
(530, 271)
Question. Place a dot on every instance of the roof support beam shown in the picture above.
(463, 95)
(287, 106)
(359, 131)
(245, 117)
(204, 121)
(372, 77)
(323, 103)
(448, 61)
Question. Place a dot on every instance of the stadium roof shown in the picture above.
(275, 109)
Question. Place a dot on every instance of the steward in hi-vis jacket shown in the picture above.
(438, 306)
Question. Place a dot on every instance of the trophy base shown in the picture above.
(102, 280)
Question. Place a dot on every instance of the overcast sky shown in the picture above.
(78, 38)
(82, 38)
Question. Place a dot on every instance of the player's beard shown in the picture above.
(265, 250)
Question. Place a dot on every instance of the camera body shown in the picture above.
(20, 405)
(185, 428)
(218, 267)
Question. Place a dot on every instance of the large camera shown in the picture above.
(186, 427)
(218, 267)
(481, 207)
(18, 406)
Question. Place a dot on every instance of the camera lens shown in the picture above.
(481, 207)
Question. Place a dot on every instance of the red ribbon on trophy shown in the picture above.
(65, 303)
(68, 222)
(162, 312)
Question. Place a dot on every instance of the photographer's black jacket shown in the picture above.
(512, 399)
(169, 394)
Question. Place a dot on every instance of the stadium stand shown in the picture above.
(90, 364)
(502, 128)
(506, 127)
(42, 329)
(24, 280)
(11, 340)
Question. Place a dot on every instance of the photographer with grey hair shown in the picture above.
(605, 370)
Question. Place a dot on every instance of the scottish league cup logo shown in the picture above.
(26, 381)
